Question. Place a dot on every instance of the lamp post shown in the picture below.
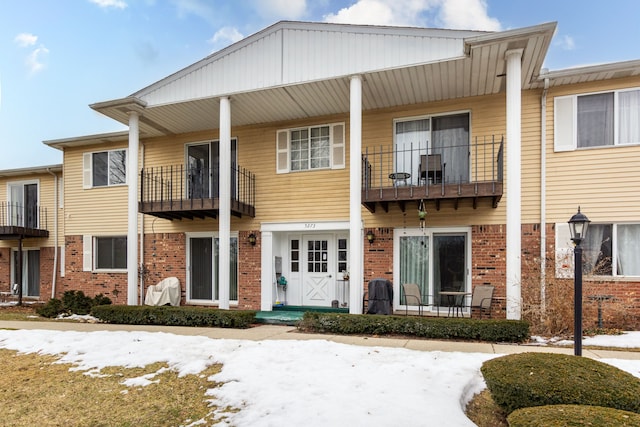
(578, 225)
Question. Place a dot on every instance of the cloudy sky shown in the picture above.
(57, 57)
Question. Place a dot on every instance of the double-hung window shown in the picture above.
(597, 120)
(310, 148)
(104, 168)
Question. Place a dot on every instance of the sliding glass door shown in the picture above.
(436, 260)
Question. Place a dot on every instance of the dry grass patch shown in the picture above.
(35, 390)
(484, 412)
(23, 312)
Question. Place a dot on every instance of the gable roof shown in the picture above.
(294, 70)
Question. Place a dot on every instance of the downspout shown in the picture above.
(141, 268)
(543, 198)
(55, 233)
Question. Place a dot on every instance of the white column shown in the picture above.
(132, 208)
(355, 214)
(267, 276)
(224, 215)
(514, 181)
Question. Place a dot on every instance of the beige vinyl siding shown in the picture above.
(530, 134)
(324, 194)
(92, 211)
(46, 188)
(604, 181)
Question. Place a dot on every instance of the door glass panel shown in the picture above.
(414, 263)
(317, 256)
(31, 205)
(449, 264)
(215, 170)
(201, 268)
(411, 140)
(198, 171)
(30, 274)
(451, 141)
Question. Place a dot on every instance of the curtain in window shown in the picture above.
(596, 250)
(320, 148)
(412, 139)
(595, 120)
(451, 141)
(629, 117)
(628, 246)
(414, 263)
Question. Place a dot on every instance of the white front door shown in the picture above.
(319, 277)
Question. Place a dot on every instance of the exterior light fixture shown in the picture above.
(578, 225)
(370, 236)
(252, 239)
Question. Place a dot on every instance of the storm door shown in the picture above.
(319, 276)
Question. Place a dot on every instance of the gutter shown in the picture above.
(55, 232)
(543, 197)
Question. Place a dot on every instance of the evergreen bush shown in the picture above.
(491, 330)
(572, 416)
(537, 379)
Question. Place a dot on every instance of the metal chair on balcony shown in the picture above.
(430, 168)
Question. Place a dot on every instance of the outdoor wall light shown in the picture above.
(370, 236)
(252, 239)
(578, 225)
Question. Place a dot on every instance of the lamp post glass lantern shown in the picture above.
(578, 225)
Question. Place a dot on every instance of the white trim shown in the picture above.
(305, 226)
(87, 168)
(428, 233)
(213, 235)
(132, 209)
(333, 145)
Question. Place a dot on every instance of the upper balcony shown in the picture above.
(18, 221)
(420, 172)
(178, 192)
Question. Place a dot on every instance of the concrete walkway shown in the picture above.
(278, 332)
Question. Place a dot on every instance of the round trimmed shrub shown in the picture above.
(537, 379)
(572, 416)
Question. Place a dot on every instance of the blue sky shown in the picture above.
(57, 57)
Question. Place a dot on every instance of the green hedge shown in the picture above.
(537, 379)
(572, 416)
(425, 327)
(174, 316)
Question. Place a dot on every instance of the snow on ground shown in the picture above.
(291, 383)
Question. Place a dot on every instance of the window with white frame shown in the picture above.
(104, 253)
(597, 120)
(104, 168)
(310, 148)
(612, 250)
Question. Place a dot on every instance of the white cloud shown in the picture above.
(35, 59)
(467, 15)
(226, 34)
(25, 39)
(454, 14)
(281, 9)
(565, 43)
(118, 4)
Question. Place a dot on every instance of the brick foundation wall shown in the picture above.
(5, 270)
(378, 256)
(112, 285)
(249, 271)
(165, 256)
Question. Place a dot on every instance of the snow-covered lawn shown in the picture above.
(298, 382)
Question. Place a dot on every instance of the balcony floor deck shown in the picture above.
(12, 232)
(193, 208)
(403, 194)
